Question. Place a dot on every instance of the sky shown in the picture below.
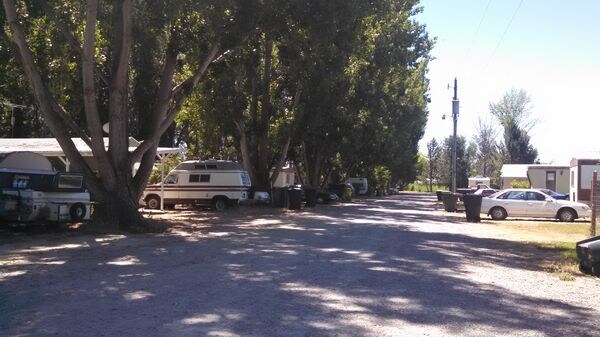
(549, 48)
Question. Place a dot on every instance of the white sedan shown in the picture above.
(533, 203)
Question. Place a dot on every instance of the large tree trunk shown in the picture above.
(120, 208)
(115, 190)
(263, 165)
(284, 151)
(315, 158)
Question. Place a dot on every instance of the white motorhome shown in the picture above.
(361, 185)
(35, 195)
(216, 183)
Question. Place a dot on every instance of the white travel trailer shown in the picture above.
(35, 195)
(216, 183)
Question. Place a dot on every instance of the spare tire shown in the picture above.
(77, 211)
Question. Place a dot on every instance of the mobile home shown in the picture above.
(580, 178)
(554, 177)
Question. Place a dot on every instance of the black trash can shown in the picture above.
(449, 199)
(472, 207)
(280, 197)
(294, 198)
(310, 193)
(438, 194)
(588, 252)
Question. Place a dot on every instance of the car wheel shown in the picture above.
(498, 213)
(220, 204)
(566, 215)
(153, 202)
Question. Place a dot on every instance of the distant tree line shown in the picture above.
(485, 154)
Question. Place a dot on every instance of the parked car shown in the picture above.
(326, 197)
(393, 191)
(555, 195)
(532, 203)
(343, 191)
(262, 197)
(485, 192)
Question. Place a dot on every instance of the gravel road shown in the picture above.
(388, 267)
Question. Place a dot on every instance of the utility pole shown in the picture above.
(12, 114)
(454, 120)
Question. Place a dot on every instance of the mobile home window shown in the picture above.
(205, 178)
(194, 178)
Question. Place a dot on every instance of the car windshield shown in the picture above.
(496, 194)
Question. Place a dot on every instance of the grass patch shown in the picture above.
(565, 264)
(545, 231)
(555, 240)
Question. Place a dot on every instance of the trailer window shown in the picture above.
(70, 181)
(205, 178)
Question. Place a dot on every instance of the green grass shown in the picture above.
(567, 249)
(566, 265)
(557, 241)
(424, 188)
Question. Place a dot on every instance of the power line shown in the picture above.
(502, 37)
(468, 51)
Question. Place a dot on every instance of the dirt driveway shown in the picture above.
(388, 267)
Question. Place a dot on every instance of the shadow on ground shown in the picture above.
(354, 269)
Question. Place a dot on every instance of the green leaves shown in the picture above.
(513, 112)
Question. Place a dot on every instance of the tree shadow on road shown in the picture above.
(356, 270)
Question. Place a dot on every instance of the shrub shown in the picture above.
(520, 184)
(165, 166)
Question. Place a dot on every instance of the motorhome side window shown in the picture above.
(199, 178)
(171, 179)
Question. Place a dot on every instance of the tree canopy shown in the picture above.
(513, 112)
(336, 87)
